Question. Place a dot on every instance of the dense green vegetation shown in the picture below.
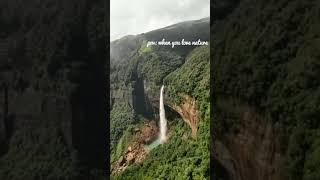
(137, 71)
(27, 155)
(312, 163)
(56, 51)
(193, 78)
(165, 62)
(149, 65)
(125, 139)
(182, 157)
(121, 117)
(267, 56)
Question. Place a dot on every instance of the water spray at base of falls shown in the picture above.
(163, 125)
(163, 120)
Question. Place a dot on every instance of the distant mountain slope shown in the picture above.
(189, 30)
(137, 67)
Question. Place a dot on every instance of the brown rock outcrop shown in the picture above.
(253, 152)
(135, 153)
(189, 113)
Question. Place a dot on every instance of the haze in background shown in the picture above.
(134, 17)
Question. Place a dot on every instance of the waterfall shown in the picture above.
(163, 120)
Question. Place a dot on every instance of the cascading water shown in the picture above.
(163, 120)
(163, 125)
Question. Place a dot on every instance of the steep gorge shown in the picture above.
(138, 72)
(186, 151)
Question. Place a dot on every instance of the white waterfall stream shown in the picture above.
(163, 120)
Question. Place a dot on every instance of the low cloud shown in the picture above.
(130, 17)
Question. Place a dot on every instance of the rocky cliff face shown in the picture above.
(188, 110)
(52, 88)
(252, 150)
(138, 72)
(264, 56)
(135, 150)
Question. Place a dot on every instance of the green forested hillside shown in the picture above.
(53, 65)
(182, 158)
(137, 71)
(266, 54)
(137, 81)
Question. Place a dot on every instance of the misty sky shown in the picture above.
(131, 17)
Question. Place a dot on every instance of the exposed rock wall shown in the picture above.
(135, 151)
(252, 151)
(53, 82)
(189, 112)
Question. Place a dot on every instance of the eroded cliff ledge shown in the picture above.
(189, 112)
